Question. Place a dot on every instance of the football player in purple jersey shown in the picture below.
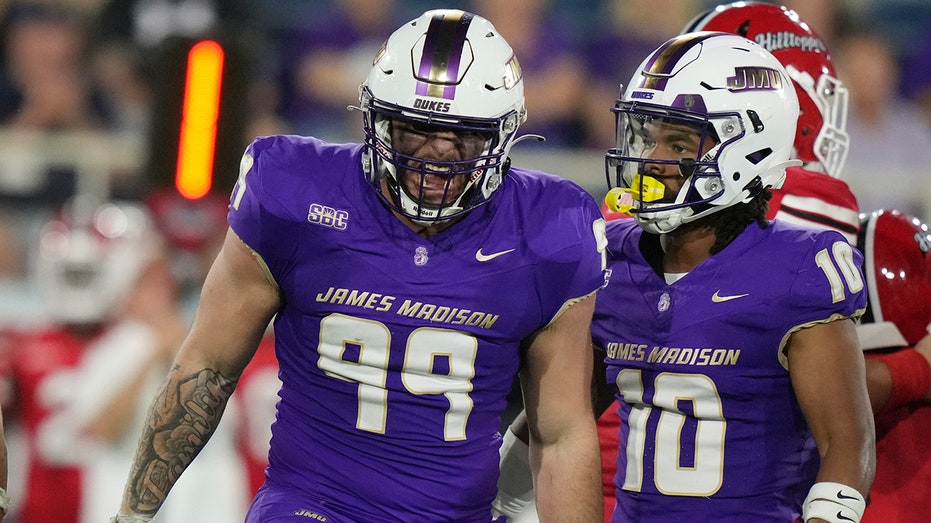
(737, 368)
(410, 278)
(728, 340)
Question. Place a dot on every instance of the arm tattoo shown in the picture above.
(181, 420)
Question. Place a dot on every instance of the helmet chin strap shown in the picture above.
(781, 168)
(662, 225)
(408, 203)
(521, 138)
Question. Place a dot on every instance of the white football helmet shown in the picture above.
(90, 257)
(446, 73)
(735, 96)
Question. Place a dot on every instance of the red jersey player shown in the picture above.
(256, 396)
(87, 263)
(894, 332)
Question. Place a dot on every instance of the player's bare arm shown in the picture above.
(563, 438)
(835, 404)
(882, 385)
(186, 413)
(237, 302)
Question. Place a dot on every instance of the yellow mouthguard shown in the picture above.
(619, 200)
(622, 200)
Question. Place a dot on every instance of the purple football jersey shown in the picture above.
(397, 352)
(710, 427)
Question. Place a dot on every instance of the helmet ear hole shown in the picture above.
(760, 155)
(755, 120)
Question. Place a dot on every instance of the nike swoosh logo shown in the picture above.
(480, 256)
(840, 495)
(840, 515)
(721, 299)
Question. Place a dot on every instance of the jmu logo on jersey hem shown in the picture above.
(310, 514)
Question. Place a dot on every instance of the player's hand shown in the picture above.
(515, 483)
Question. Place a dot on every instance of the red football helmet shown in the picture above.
(821, 136)
(89, 258)
(897, 266)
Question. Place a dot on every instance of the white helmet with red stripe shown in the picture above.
(897, 264)
(450, 74)
(821, 140)
(91, 256)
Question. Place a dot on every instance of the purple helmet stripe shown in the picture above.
(442, 52)
(664, 61)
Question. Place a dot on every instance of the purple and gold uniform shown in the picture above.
(710, 424)
(397, 351)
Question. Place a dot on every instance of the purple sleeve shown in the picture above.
(576, 237)
(262, 208)
(829, 282)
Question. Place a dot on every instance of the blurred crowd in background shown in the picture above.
(85, 87)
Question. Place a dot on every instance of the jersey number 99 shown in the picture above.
(369, 369)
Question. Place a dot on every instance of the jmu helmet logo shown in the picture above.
(512, 73)
(380, 52)
(755, 79)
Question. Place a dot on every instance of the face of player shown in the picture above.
(441, 160)
(673, 141)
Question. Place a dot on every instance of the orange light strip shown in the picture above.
(197, 145)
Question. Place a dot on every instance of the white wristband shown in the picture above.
(834, 502)
(127, 518)
(515, 482)
(5, 501)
